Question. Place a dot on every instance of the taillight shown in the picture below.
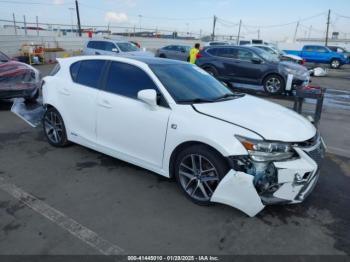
(199, 55)
(303, 62)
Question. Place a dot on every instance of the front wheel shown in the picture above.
(274, 84)
(198, 171)
(54, 128)
(335, 64)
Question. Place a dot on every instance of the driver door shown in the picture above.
(126, 126)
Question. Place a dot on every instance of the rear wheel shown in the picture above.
(335, 64)
(198, 171)
(274, 84)
(54, 128)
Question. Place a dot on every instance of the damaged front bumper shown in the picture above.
(289, 182)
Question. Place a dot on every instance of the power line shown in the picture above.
(31, 3)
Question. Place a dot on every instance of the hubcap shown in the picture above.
(198, 177)
(335, 64)
(53, 127)
(273, 85)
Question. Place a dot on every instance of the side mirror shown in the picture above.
(149, 96)
(256, 61)
(115, 50)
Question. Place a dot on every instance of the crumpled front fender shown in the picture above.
(236, 189)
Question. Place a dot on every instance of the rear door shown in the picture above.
(245, 70)
(309, 54)
(79, 96)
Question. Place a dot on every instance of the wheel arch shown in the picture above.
(271, 74)
(184, 145)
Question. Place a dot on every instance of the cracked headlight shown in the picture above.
(264, 151)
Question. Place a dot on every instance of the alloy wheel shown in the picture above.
(198, 177)
(273, 85)
(53, 127)
(335, 64)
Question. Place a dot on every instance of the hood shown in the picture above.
(272, 121)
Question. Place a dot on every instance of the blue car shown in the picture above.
(320, 54)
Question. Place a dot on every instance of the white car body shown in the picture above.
(148, 135)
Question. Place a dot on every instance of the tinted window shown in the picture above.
(246, 55)
(321, 49)
(90, 72)
(109, 46)
(74, 69)
(309, 49)
(227, 52)
(127, 47)
(127, 80)
(96, 45)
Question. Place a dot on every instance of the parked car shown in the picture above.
(177, 52)
(280, 54)
(114, 48)
(341, 50)
(320, 54)
(18, 80)
(252, 66)
(176, 120)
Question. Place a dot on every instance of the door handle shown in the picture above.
(105, 103)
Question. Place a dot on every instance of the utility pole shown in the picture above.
(37, 25)
(258, 34)
(78, 16)
(296, 31)
(328, 22)
(14, 23)
(239, 31)
(25, 25)
(214, 24)
(310, 29)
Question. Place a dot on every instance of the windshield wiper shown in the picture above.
(196, 100)
(228, 95)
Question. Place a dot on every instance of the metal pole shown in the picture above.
(78, 16)
(239, 31)
(296, 31)
(328, 22)
(25, 25)
(14, 23)
(214, 24)
(258, 34)
(37, 26)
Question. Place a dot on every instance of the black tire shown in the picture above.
(276, 88)
(53, 124)
(33, 98)
(215, 160)
(162, 56)
(211, 71)
(335, 64)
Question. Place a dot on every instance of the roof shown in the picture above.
(134, 59)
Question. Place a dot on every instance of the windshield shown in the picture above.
(266, 55)
(188, 83)
(127, 47)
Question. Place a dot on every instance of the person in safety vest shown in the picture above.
(193, 53)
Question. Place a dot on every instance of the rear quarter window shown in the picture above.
(74, 69)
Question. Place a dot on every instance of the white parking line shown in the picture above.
(60, 219)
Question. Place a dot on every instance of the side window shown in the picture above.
(127, 80)
(91, 44)
(213, 51)
(246, 55)
(228, 52)
(321, 49)
(109, 46)
(309, 49)
(89, 73)
(74, 69)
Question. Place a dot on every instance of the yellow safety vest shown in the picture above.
(193, 55)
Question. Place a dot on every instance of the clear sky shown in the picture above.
(195, 15)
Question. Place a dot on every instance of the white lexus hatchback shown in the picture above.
(176, 120)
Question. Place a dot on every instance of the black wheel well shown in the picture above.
(181, 147)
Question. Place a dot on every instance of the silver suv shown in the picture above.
(114, 48)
